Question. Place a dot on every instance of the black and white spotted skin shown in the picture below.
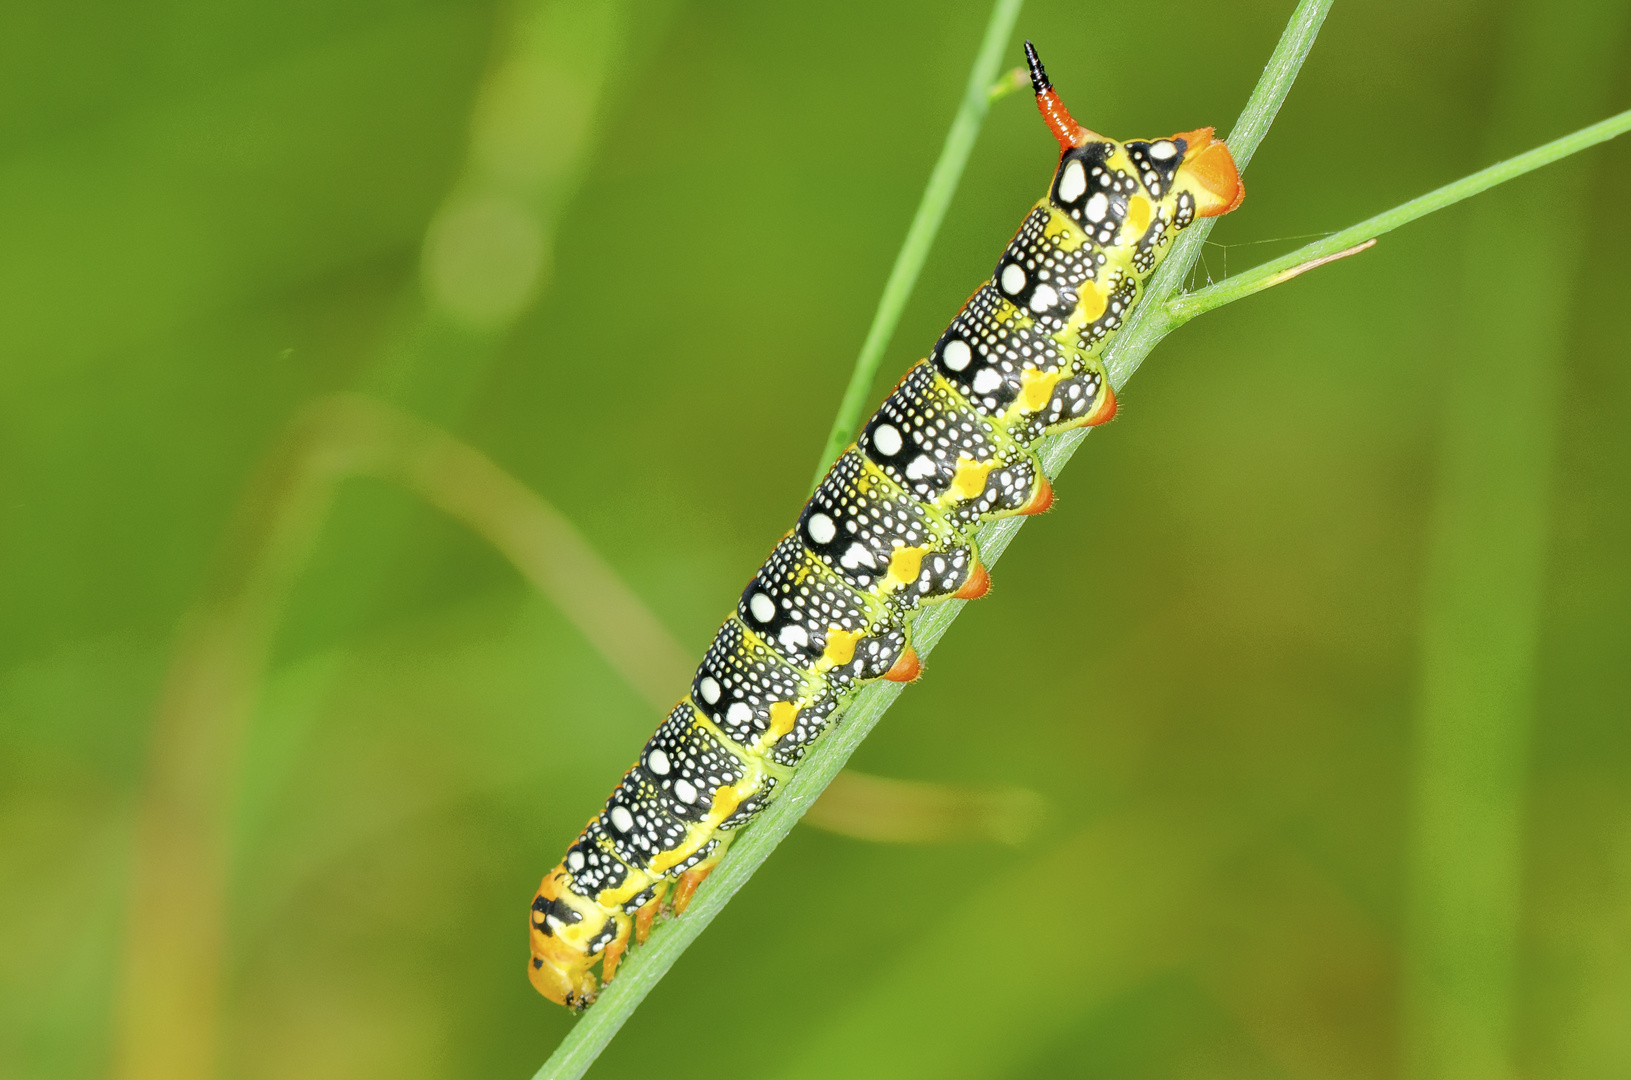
(889, 529)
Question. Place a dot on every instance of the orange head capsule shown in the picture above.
(1208, 172)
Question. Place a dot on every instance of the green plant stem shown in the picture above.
(1484, 589)
(646, 965)
(1227, 291)
(931, 210)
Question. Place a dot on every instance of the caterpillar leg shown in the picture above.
(647, 915)
(977, 585)
(1104, 409)
(613, 954)
(1041, 500)
(907, 668)
(691, 880)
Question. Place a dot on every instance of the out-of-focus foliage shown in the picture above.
(1206, 657)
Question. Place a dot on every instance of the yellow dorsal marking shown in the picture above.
(840, 650)
(1061, 230)
(970, 480)
(726, 800)
(1091, 304)
(1036, 387)
(784, 713)
(1138, 216)
(905, 563)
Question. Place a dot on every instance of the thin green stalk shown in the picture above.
(1149, 322)
(1484, 586)
(931, 210)
(649, 963)
(1271, 273)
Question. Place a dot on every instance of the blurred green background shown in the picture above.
(628, 251)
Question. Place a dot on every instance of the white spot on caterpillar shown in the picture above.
(822, 530)
(921, 466)
(710, 689)
(794, 637)
(1097, 207)
(657, 762)
(857, 556)
(987, 379)
(1072, 182)
(622, 820)
(762, 607)
(686, 791)
(956, 354)
(739, 714)
(1013, 279)
(1162, 150)
(887, 439)
(1043, 298)
(574, 861)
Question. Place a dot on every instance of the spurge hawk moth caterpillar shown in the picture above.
(889, 528)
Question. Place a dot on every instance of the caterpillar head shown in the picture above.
(567, 933)
(1208, 173)
(1205, 169)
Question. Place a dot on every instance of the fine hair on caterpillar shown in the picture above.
(889, 529)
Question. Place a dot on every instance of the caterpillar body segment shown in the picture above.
(889, 529)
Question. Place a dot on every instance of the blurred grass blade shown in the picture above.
(1486, 565)
(1012, 82)
(892, 811)
(171, 994)
(946, 1009)
(529, 136)
(542, 544)
(488, 251)
(541, 112)
(978, 95)
(646, 965)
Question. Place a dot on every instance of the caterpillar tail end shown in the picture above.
(1210, 169)
(559, 967)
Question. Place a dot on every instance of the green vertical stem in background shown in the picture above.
(1486, 564)
(486, 257)
(488, 251)
(931, 209)
(539, 115)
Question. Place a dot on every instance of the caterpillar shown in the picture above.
(891, 527)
